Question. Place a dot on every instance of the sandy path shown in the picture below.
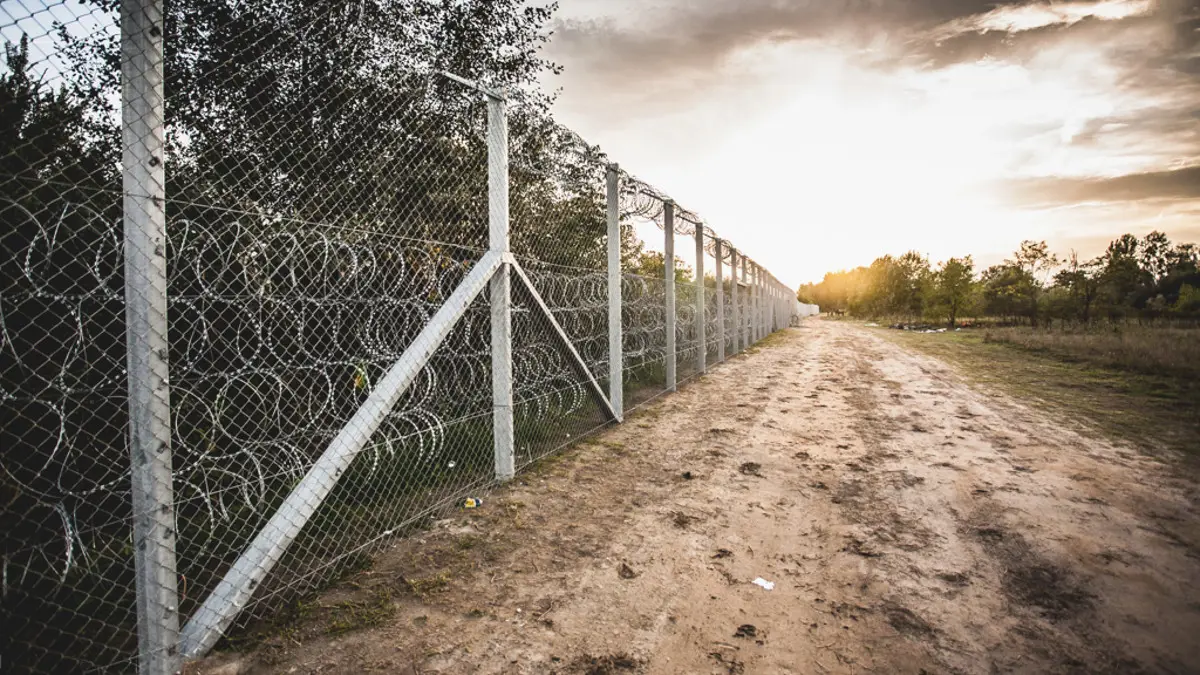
(910, 523)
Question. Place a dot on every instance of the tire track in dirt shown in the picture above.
(910, 523)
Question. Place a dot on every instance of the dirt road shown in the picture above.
(910, 524)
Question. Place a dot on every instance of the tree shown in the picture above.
(1154, 255)
(1081, 283)
(1035, 262)
(1122, 275)
(652, 265)
(1006, 290)
(952, 287)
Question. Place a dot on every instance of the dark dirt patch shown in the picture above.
(990, 535)
(954, 578)
(605, 665)
(900, 480)
(859, 547)
(723, 553)
(1048, 588)
(626, 572)
(682, 520)
(847, 491)
(751, 469)
(731, 665)
(746, 630)
(948, 465)
(906, 622)
(1031, 580)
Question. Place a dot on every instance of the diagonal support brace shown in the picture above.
(597, 390)
(223, 605)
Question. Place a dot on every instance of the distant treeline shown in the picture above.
(1148, 278)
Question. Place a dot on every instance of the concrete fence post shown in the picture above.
(669, 288)
(747, 304)
(720, 287)
(144, 220)
(616, 360)
(756, 313)
(734, 300)
(503, 441)
(701, 305)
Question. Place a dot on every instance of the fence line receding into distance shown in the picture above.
(274, 291)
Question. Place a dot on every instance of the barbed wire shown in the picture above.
(315, 225)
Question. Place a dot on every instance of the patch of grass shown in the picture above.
(1152, 407)
(351, 616)
(1154, 350)
(423, 586)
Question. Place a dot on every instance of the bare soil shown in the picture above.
(910, 521)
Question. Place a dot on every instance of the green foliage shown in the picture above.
(952, 288)
(1144, 279)
(652, 265)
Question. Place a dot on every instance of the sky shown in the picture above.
(820, 134)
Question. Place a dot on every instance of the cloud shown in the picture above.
(1181, 184)
(1018, 18)
(698, 35)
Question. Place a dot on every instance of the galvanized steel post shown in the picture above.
(756, 314)
(747, 306)
(669, 288)
(701, 306)
(720, 285)
(501, 291)
(145, 231)
(616, 361)
(733, 297)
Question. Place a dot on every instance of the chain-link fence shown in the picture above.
(274, 289)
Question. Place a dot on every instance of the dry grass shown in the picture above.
(1133, 385)
(1172, 352)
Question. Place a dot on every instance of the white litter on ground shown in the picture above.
(768, 585)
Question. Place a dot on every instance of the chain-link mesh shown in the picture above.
(247, 333)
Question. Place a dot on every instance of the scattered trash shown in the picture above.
(872, 325)
(472, 503)
(746, 630)
(626, 572)
(767, 585)
(751, 469)
(723, 553)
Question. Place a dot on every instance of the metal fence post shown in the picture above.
(701, 306)
(758, 302)
(753, 290)
(762, 302)
(744, 338)
(733, 296)
(145, 252)
(781, 308)
(501, 291)
(616, 361)
(753, 303)
(669, 288)
(720, 300)
(773, 302)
